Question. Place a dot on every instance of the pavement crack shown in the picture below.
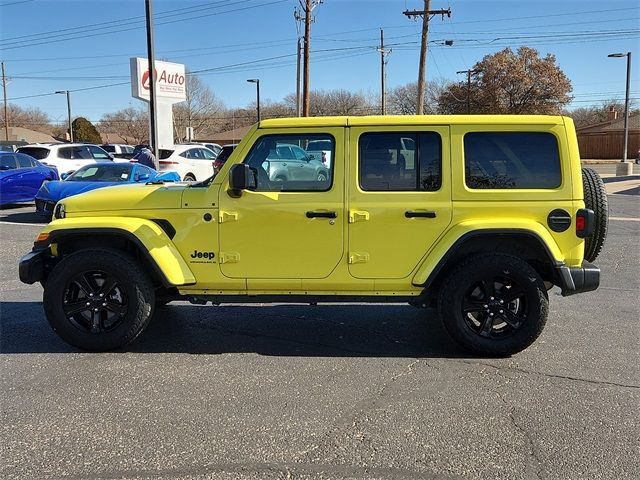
(553, 375)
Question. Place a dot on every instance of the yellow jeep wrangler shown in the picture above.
(478, 216)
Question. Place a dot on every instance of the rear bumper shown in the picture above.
(574, 280)
(31, 266)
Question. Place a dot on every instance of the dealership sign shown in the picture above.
(170, 80)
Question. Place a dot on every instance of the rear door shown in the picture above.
(399, 197)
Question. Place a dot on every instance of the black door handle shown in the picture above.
(322, 215)
(412, 214)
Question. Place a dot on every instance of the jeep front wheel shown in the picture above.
(98, 299)
(493, 304)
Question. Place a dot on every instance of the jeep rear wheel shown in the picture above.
(493, 304)
(98, 299)
(595, 198)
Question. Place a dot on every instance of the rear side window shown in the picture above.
(8, 162)
(511, 160)
(24, 161)
(36, 152)
(400, 161)
(109, 148)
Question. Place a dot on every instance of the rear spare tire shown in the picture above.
(595, 198)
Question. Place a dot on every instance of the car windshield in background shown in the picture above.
(164, 153)
(101, 173)
(36, 152)
(224, 154)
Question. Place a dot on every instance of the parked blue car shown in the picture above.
(21, 177)
(96, 175)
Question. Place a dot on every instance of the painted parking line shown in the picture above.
(22, 223)
(625, 219)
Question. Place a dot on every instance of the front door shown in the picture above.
(399, 198)
(285, 228)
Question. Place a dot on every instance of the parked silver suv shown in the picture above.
(287, 162)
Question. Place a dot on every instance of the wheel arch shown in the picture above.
(522, 243)
(148, 244)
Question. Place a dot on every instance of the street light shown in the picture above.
(257, 82)
(69, 112)
(626, 110)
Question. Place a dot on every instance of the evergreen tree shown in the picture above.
(84, 131)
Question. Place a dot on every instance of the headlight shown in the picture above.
(59, 211)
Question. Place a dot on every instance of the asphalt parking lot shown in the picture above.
(336, 392)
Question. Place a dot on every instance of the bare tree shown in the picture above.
(584, 116)
(200, 110)
(402, 99)
(29, 117)
(508, 82)
(130, 124)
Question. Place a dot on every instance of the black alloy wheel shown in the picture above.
(494, 307)
(98, 299)
(94, 302)
(493, 304)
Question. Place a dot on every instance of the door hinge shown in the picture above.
(228, 216)
(358, 216)
(358, 257)
(229, 257)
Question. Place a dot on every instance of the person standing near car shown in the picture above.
(147, 158)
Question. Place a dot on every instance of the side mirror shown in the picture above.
(241, 177)
(143, 177)
(64, 176)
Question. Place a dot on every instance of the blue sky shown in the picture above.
(50, 45)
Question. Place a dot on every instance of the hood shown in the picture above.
(57, 190)
(126, 197)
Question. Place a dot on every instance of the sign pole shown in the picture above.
(153, 139)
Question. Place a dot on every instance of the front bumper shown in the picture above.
(45, 207)
(31, 266)
(574, 280)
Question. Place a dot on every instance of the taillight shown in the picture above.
(585, 222)
(167, 162)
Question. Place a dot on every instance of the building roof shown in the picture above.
(222, 138)
(21, 134)
(612, 125)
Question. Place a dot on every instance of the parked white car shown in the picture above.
(66, 157)
(192, 162)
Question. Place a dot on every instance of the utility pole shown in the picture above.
(298, 111)
(383, 63)
(469, 73)
(426, 15)
(6, 115)
(307, 8)
(153, 137)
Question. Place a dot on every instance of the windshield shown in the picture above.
(36, 152)
(101, 173)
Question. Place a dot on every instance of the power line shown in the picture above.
(19, 44)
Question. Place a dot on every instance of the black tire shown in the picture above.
(189, 177)
(493, 304)
(104, 281)
(595, 198)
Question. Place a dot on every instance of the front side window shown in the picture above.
(281, 164)
(400, 161)
(98, 153)
(511, 160)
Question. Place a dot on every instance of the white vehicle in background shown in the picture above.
(118, 150)
(320, 150)
(66, 157)
(192, 162)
